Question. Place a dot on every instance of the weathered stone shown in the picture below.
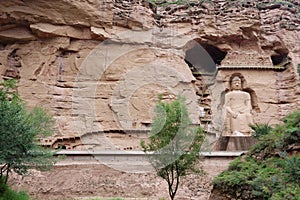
(99, 33)
(16, 34)
(94, 63)
(99, 66)
(234, 143)
(49, 30)
(73, 13)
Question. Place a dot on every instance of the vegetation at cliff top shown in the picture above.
(270, 170)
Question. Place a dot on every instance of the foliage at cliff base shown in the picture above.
(270, 170)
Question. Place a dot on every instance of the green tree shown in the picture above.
(19, 132)
(174, 144)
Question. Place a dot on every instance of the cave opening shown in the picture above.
(277, 59)
(215, 53)
(280, 56)
(203, 57)
(62, 147)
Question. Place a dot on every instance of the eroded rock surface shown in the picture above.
(99, 65)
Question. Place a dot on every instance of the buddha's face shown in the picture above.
(236, 84)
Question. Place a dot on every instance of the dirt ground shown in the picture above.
(90, 180)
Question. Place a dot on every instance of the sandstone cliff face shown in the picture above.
(99, 65)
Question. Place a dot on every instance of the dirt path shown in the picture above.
(89, 178)
(81, 180)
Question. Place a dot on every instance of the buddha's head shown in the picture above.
(236, 83)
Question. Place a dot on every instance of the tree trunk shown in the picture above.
(7, 171)
(2, 171)
(173, 190)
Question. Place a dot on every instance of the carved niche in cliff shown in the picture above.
(239, 104)
(238, 109)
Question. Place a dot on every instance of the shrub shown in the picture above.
(267, 171)
(260, 129)
(8, 194)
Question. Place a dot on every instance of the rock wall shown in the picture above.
(99, 65)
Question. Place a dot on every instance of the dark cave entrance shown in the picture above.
(278, 59)
(203, 57)
(280, 56)
(215, 53)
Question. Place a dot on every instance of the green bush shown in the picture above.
(273, 141)
(290, 192)
(274, 177)
(261, 129)
(267, 171)
(292, 169)
(8, 194)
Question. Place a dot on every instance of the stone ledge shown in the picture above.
(141, 153)
(251, 67)
(235, 143)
